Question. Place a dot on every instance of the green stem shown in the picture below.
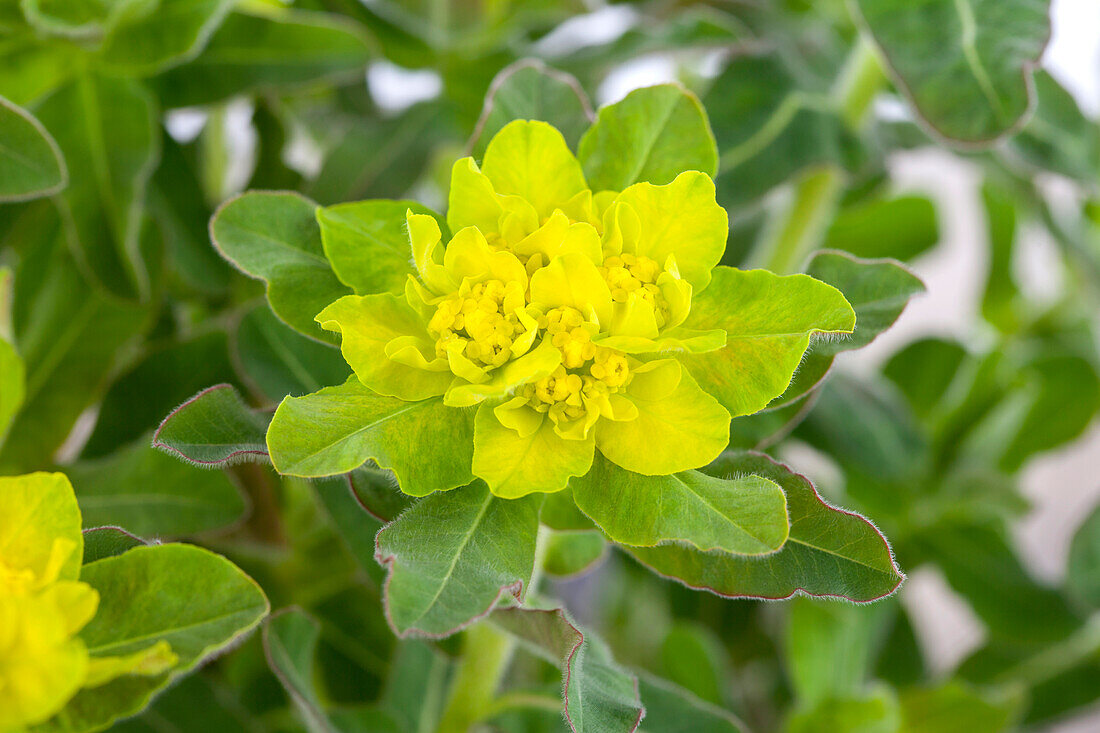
(485, 657)
(486, 653)
(799, 231)
(803, 225)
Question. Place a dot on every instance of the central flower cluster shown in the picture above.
(554, 309)
(484, 322)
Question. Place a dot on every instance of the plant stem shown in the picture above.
(485, 656)
(486, 653)
(792, 238)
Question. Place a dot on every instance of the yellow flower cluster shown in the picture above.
(627, 273)
(483, 323)
(42, 662)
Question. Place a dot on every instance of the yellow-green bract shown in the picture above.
(571, 320)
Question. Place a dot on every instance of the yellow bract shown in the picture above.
(43, 606)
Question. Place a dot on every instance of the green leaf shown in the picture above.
(453, 556)
(868, 430)
(979, 563)
(427, 445)
(367, 243)
(280, 361)
(530, 90)
(1083, 573)
(957, 707)
(964, 65)
(377, 493)
(198, 602)
(768, 129)
(768, 320)
(693, 657)
(274, 237)
(167, 374)
(903, 228)
(107, 130)
(250, 52)
(68, 336)
(354, 170)
(744, 515)
(829, 647)
(1061, 400)
(876, 711)
(72, 18)
(199, 702)
(290, 640)
(149, 37)
(672, 709)
(290, 643)
(829, 552)
(923, 371)
(878, 291)
(154, 495)
(215, 428)
(599, 696)
(560, 512)
(1059, 137)
(30, 161)
(101, 543)
(652, 135)
(573, 552)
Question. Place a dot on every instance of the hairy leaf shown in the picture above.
(744, 515)
(453, 556)
(768, 322)
(153, 494)
(426, 444)
(599, 696)
(274, 237)
(529, 90)
(829, 552)
(652, 135)
(215, 428)
(367, 243)
(197, 601)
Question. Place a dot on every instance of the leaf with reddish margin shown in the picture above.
(215, 429)
(378, 493)
(453, 556)
(829, 553)
(598, 695)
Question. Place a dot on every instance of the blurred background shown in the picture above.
(967, 432)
